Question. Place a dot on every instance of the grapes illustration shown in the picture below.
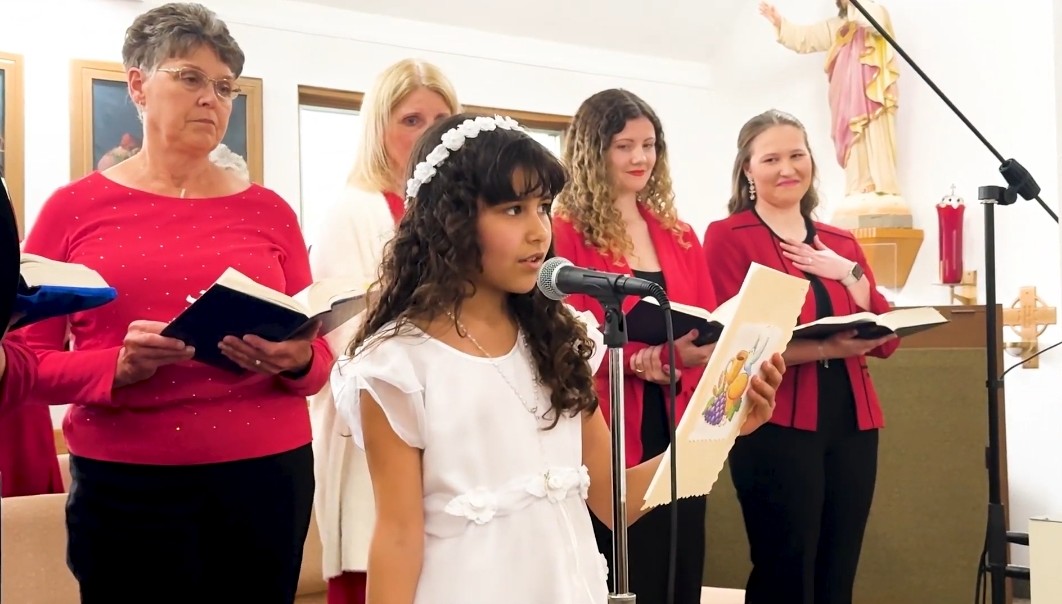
(716, 411)
(729, 391)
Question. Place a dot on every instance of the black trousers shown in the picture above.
(649, 539)
(648, 545)
(225, 532)
(806, 498)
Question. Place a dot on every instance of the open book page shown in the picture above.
(39, 271)
(335, 300)
(903, 322)
(322, 295)
(724, 313)
(760, 324)
(898, 320)
(237, 281)
(50, 288)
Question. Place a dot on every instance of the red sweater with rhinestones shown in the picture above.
(157, 251)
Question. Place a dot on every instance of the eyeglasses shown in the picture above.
(195, 80)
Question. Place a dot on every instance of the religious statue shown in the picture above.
(862, 74)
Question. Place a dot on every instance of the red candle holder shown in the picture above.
(950, 212)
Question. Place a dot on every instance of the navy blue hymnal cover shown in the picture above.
(49, 288)
(236, 305)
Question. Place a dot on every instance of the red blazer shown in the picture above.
(28, 461)
(732, 245)
(687, 281)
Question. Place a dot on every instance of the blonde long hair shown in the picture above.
(589, 199)
(372, 168)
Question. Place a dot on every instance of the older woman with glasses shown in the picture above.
(184, 475)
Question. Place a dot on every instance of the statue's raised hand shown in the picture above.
(771, 13)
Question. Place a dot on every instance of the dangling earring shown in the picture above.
(752, 190)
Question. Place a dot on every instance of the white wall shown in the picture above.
(995, 62)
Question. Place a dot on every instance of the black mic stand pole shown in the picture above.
(1020, 183)
(996, 541)
(615, 336)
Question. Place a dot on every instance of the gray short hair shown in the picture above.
(176, 30)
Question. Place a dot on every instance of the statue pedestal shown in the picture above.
(885, 230)
(871, 210)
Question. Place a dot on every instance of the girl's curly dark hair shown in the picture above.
(429, 264)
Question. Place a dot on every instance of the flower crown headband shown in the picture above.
(452, 140)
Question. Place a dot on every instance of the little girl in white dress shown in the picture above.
(504, 513)
(472, 393)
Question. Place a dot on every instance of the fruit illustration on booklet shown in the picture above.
(730, 389)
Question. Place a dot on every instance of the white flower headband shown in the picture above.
(452, 140)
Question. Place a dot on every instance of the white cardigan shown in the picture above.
(349, 240)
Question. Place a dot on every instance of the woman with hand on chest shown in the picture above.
(806, 479)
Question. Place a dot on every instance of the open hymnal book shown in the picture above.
(49, 288)
(902, 322)
(38, 271)
(758, 323)
(236, 305)
(645, 323)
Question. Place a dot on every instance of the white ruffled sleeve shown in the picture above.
(386, 373)
(593, 330)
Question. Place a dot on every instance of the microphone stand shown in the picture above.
(615, 337)
(1020, 183)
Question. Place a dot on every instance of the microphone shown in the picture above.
(558, 278)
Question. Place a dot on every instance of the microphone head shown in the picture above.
(547, 277)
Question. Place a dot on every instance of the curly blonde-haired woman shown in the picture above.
(406, 99)
(618, 215)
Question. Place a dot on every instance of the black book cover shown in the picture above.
(866, 330)
(9, 257)
(224, 312)
(645, 324)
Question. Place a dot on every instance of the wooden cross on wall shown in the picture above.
(1029, 317)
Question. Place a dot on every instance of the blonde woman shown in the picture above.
(618, 215)
(405, 100)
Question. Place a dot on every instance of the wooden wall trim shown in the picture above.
(530, 119)
(332, 98)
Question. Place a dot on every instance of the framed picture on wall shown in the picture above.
(12, 168)
(105, 129)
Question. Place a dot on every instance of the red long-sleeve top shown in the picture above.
(157, 251)
(28, 463)
(687, 280)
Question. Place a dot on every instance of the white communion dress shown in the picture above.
(504, 501)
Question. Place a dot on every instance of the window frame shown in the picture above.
(335, 98)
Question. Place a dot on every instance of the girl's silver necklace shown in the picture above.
(531, 408)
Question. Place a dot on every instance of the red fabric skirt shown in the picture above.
(347, 588)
